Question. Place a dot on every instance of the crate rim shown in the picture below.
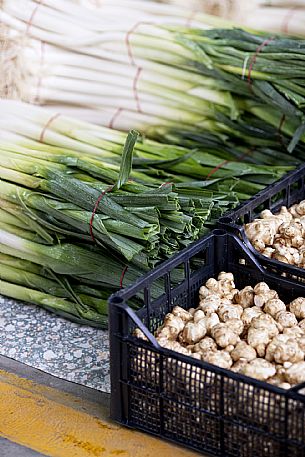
(287, 179)
(229, 221)
(161, 269)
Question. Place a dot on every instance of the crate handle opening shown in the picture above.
(226, 220)
(115, 300)
(219, 232)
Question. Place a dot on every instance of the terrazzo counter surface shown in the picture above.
(33, 336)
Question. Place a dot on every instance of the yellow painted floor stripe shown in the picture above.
(58, 424)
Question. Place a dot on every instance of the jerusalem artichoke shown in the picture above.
(289, 351)
(279, 382)
(193, 332)
(198, 315)
(258, 339)
(250, 331)
(285, 319)
(210, 288)
(297, 307)
(298, 209)
(296, 373)
(263, 294)
(173, 325)
(294, 332)
(280, 236)
(301, 343)
(239, 366)
(220, 358)
(260, 369)
(265, 321)
(223, 335)
(249, 314)
(173, 346)
(245, 297)
(210, 321)
(236, 325)
(277, 340)
(243, 351)
(207, 344)
(273, 306)
(210, 304)
(182, 313)
(139, 334)
(229, 311)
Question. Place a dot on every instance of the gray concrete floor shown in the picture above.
(42, 340)
(9, 449)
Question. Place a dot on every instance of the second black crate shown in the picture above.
(285, 192)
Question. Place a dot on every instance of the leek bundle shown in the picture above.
(93, 74)
(229, 85)
(84, 210)
(270, 69)
(280, 16)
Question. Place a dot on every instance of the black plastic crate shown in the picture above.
(191, 402)
(285, 192)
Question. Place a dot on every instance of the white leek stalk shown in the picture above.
(284, 20)
(100, 74)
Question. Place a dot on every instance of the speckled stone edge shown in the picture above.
(40, 339)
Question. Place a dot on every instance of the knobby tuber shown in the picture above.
(280, 236)
(249, 331)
